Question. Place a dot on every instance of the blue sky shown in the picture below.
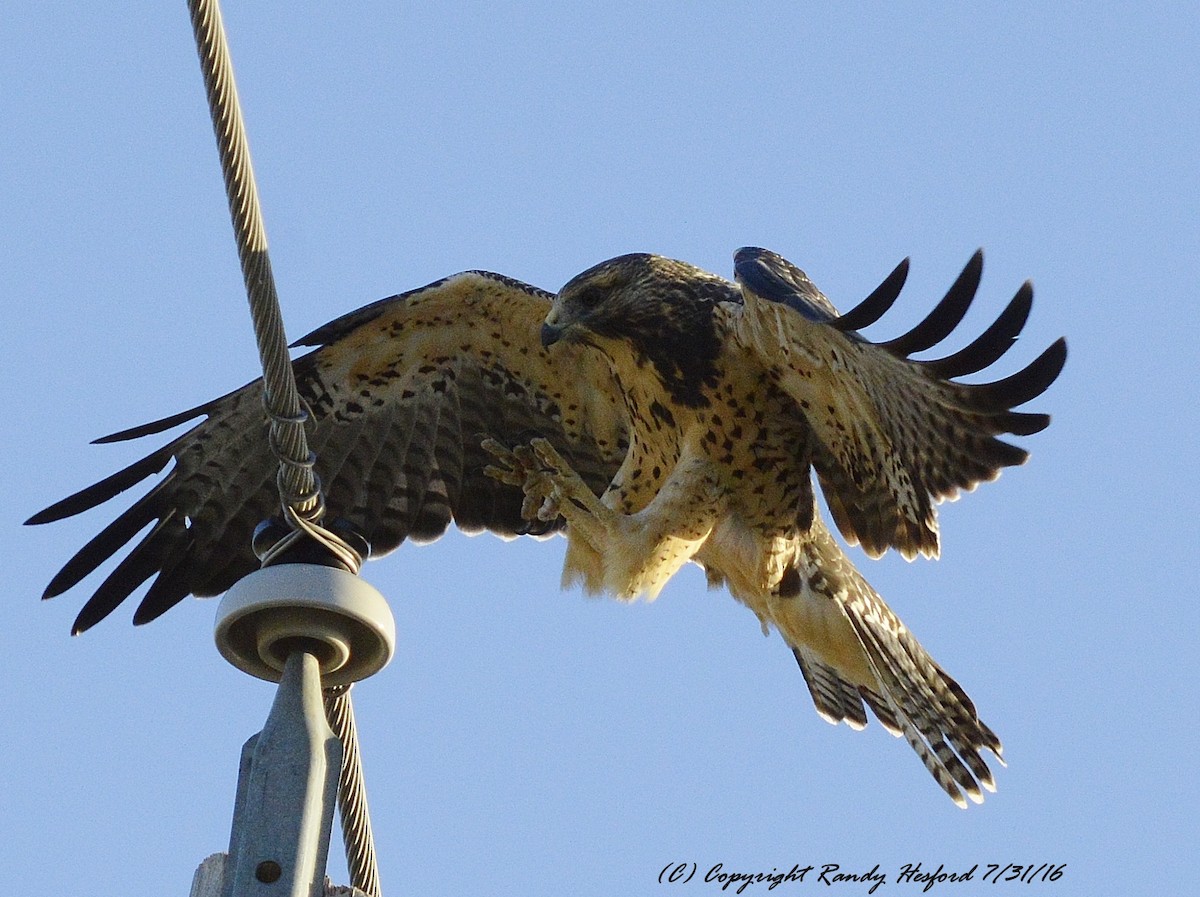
(530, 741)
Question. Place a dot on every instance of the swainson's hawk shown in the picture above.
(656, 414)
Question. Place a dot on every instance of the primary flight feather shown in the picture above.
(654, 413)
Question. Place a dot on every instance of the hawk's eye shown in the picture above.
(590, 296)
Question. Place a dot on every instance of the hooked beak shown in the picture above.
(551, 335)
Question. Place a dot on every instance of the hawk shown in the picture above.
(653, 413)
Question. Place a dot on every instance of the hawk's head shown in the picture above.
(661, 308)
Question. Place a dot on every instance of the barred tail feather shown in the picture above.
(853, 650)
(836, 700)
(933, 712)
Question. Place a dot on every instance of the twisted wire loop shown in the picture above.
(303, 526)
(301, 497)
(352, 801)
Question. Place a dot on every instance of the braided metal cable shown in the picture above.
(297, 478)
(300, 492)
(352, 801)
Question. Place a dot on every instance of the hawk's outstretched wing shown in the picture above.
(897, 435)
(401, 393)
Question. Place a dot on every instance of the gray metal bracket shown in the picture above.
(287, 790)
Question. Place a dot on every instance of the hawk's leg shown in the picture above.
(552, 488)
(624, 554)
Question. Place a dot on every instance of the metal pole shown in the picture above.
(287, 789)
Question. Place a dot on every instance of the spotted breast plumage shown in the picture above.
(654, 413)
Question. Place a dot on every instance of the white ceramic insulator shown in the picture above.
(330, 613)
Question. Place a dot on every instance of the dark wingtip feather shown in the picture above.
(163, 542)
(1025, 384)
(98, 493)
(155, 426)
(168, 590)
(1023, 423)
(134, 570)
(103, 545)
(96, 609)
(990, 345)
(876, 305)
(946, 315)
